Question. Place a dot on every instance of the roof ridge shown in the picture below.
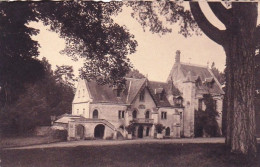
(158, 82)
(196, 65)
(134, 78)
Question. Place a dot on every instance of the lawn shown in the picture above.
(184, 155)
(17, 141)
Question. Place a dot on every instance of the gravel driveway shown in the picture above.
(119, 142)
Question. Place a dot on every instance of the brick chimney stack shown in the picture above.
(178, 56)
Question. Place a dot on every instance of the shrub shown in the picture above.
(60, 134)
(159, 128)
(205, 121)
(130, 128)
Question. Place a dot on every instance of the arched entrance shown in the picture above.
(99, 131)
(147, 114)
(147, 131)
(140, 131)
(80, 131)
(167, 131)
(134, 114)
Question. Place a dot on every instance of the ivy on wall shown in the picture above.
(205, 120)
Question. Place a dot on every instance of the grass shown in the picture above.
(17, 141)
(145, 155)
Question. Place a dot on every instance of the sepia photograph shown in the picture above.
(129, 83)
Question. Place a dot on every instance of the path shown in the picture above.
(120, 142)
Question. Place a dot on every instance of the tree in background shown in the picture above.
(47, 97)
(18, 52)
(89, 32)
(134, 73)
(219, 75)
(87, 28)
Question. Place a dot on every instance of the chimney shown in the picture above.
(178, 56)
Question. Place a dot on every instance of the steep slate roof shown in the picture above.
(133, 86)
(106, 94)
(158, 87)
(205, 74)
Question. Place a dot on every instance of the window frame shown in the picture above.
(142, 95)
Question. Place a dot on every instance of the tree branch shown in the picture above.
(211, 31)
(222, 13)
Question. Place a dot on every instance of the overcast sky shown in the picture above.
(155, 54)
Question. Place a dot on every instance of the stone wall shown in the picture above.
(173, 120)
(109, 112)
(89, 128)
(142, 106)
(189, 104)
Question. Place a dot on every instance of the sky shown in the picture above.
(155, 54)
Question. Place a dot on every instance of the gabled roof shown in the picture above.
(106, 94)
(158, 88)
(134, 86)
(193, 72)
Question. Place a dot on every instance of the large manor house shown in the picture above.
(100, 111)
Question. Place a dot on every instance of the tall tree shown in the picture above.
(238, 41)
(18, 52)
(90, 33)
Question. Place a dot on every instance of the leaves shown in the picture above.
(90, 33)
(155, 15)
(18, 63)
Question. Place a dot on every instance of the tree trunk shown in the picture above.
(238, 41)
(240, 87)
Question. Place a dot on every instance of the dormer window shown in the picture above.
(178, 101)
(161, 95)
(209, 82)
(141, 97)
(83, 92)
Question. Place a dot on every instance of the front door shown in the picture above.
(80, 131)
(99, 131)
(140, 131)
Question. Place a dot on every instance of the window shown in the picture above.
(83, 92)
(215, 105)
(121, 114)
(167, 131)
(95, 114)
(134, 114)
(83, 111)
(147, 114)
(180, 115)
(200, 104)
(163, 115)
(147, 131)
(79, 94)
(141, 98)
(179, 101)
(161, 95)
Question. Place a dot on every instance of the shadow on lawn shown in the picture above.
(177, 155)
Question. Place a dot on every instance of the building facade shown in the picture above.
(100, 111)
